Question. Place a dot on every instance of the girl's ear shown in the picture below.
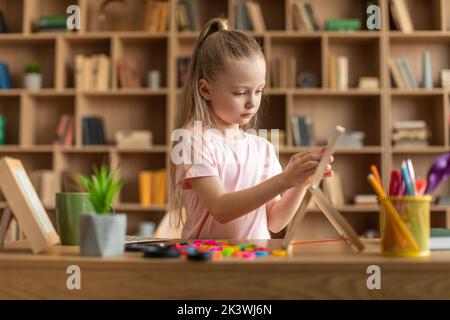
(203, 87)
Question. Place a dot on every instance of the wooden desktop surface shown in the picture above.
(313, 271)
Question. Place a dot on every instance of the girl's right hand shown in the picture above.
(302, 166)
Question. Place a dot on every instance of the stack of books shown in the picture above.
(93, 131)
(338, 72)
(187, 15)
(156, 16)
(304, 18)
(400, 17)
(410, 134)
(365, 199)
(92, 73)
(66, 128)
(52, 24)
(353, 139)
(152, 187)
(303, 131)
(249, 16)
(284, 72)
(402, 74)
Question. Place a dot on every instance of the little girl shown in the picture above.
(231, 188)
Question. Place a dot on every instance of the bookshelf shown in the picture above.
(32, 116)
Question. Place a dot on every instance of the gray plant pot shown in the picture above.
(102, 235)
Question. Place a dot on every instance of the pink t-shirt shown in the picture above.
(239, 164)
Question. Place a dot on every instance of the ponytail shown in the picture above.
(215, 44)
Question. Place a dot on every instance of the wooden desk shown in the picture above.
(321, 271)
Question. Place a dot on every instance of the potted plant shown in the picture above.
(102, 233)
(33, 76)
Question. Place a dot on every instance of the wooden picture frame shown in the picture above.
(315, 194)
(26, 207)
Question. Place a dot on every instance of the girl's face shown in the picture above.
(235, 93)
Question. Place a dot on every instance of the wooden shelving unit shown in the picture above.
(32, 117)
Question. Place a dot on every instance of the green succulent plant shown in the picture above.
(102, 187)
(33, 67)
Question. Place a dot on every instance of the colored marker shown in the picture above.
(421, 185)
(412, 175)
(407, 179)
(376, 173)
(395, 184)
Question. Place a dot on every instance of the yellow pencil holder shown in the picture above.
(405, 226)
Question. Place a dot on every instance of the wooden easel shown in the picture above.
(315, 194)
(7, 217)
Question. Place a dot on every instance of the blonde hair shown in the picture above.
(215, 44)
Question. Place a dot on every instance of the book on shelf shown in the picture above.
(445, 78)
(284, 72)
(304, 18)
(279, 137)
(332, 71)
(302, 131)
(242, 17)
(338, 72)
(65, 131)
(70, 182)
(333, 189)
(410, 124)
(5, 77)
(3, 27)
(406, 72)
(365, 199)
(152, 187)
(182, 70)
(187, 15)
(400, 15)
(92, 73)
(342, 72)
(343, 25)
(52, 24)
(396, 74)
(93, 131)
(128, 73)
(44, 182)
(256, 16)
(156, 16)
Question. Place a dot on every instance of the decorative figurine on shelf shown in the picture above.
(154, 79)
(307, 80)
(33, 76)
(115, 15)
